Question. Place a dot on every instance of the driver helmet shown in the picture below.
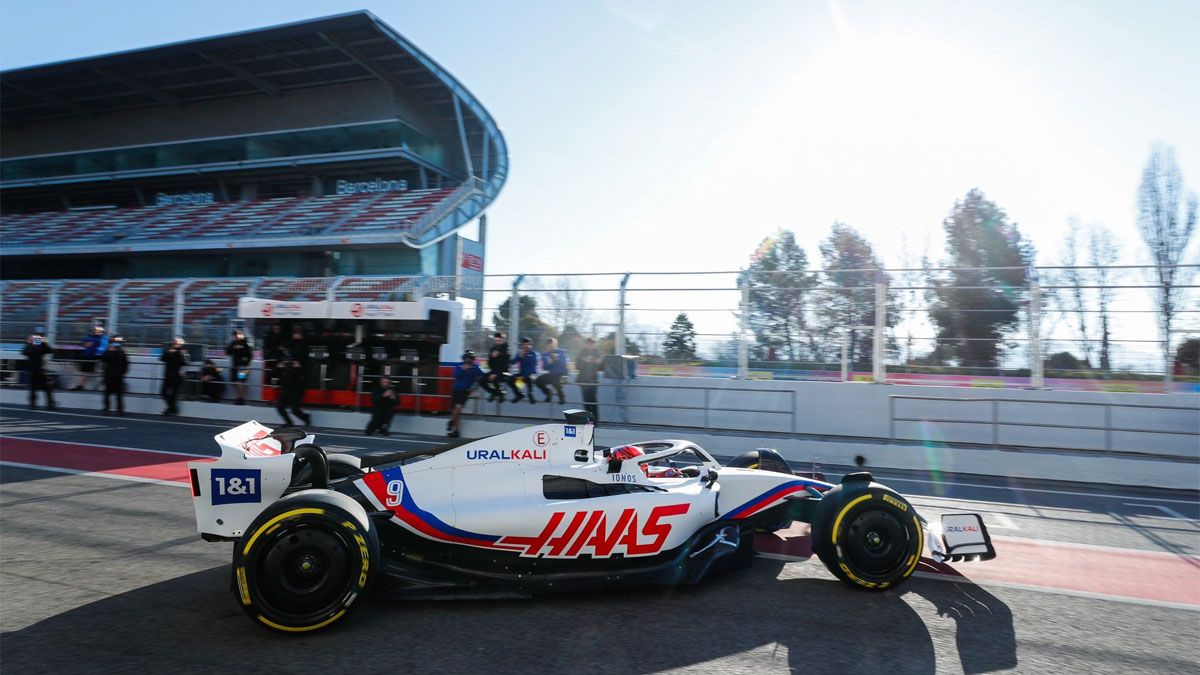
(468, 355)
(624, 452)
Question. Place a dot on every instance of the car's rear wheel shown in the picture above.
(305, 561)
(867, 535)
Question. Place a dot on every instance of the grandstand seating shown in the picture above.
(293, 290)
(281, 216)
(213, 301)
(147, 301)
(394, 211)
(79, 304)
(24, 301)
(370, 289)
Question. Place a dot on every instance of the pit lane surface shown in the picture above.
(99, 573)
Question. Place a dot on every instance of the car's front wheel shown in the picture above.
(304, 561)
(867, 535)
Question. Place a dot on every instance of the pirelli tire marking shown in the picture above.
(274, 524)
(910, 563)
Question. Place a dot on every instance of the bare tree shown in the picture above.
(567, 304)
(1167, 231)
(1102, 254)
(1075, 301)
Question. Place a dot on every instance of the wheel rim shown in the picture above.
(876, 544)
(304, 572)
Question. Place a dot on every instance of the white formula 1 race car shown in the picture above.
(531, 511)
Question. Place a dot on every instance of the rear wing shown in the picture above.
(252, 472)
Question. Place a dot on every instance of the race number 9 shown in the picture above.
(395, 490)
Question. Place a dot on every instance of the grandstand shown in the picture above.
(271, 161)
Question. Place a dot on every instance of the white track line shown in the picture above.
(1171, 513)
(209, 425)
(99, 474)
(189, 455)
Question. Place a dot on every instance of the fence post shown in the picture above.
(52, 316)
(880, 342)
(177, 327)
(514, 315)
(331, 292)
(1037, 364)
(619, 345)
(891, 419)
(995, 424)
(706, 404)
(113, 307)
(743, 340)
(845, 355)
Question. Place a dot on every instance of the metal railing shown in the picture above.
(996, 423)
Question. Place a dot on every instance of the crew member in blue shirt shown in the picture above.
(527, 361)
(555, 361)
(466, 374)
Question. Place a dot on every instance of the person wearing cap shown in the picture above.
(527, 366)
(94, 346)
(497, 376)
(555, 361)
(587, 362)
(116, 364)
(466, 374)
(37, 348)
(240, 356)
(174, 360)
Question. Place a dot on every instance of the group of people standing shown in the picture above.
(546, 371)
(98, 351)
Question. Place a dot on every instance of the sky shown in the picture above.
(674, 136)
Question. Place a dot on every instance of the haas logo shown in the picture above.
(356, 310)
(599, 534)
(268, 309)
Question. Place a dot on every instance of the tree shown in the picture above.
(851, 270)
(973, 303)
(568, 304)
(1076, 301)
(680, 344)
(531, 325)
(1187, 357)
(778, 304)
(1167, 231)
(1102, 254)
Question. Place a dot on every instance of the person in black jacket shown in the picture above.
(116, 364)
(36, 349)
(291, 389)
(498, 362)
(274, 342)
(384, 399)
(212, 384)
(174, 359)
(588, 365)
(240, 356)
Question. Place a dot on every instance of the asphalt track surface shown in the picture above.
(100, 573)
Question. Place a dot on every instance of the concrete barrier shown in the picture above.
(931, 457)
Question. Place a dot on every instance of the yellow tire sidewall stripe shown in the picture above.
(837, 522)
(283, 516)
(301, 629)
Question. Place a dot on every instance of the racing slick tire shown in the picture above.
(304, 561)
(867, 534)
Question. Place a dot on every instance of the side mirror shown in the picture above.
(710, 479)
